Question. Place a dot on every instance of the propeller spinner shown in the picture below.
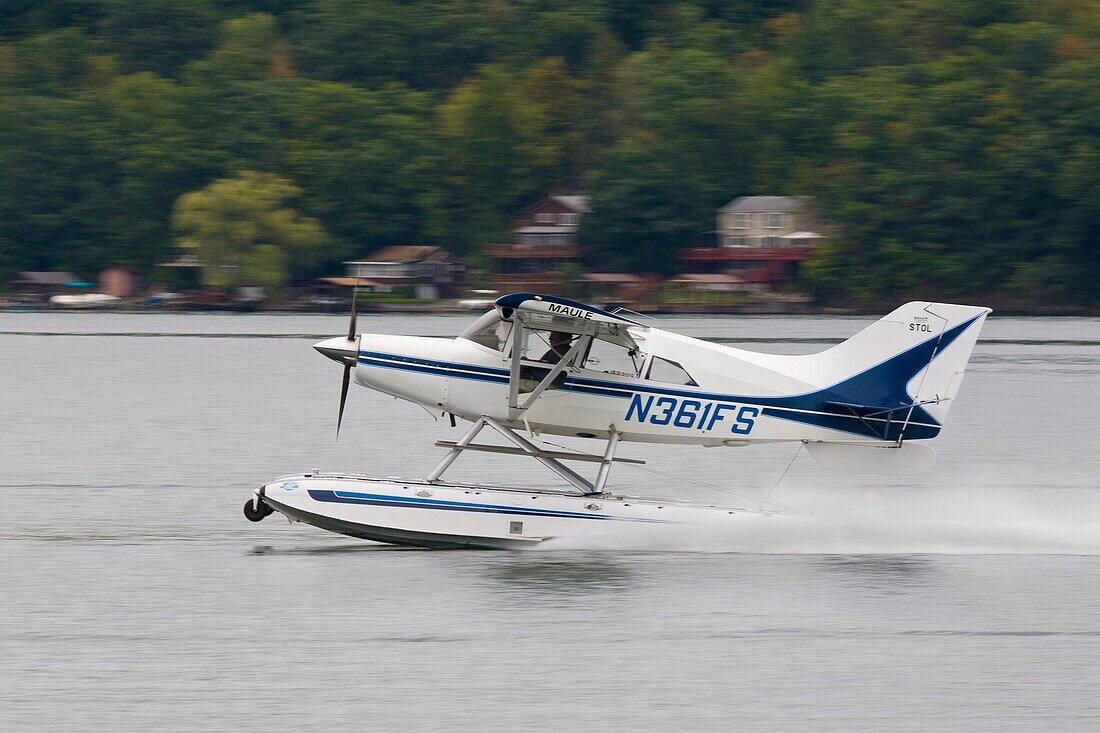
(346, 352)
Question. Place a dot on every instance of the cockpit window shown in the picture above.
(489, 330)
(604, 356)
(665, 370)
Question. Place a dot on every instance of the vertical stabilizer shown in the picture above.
(904, 371)
(938, 383)
(918, 353)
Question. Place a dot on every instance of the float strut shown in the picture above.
(455, 452)
(605, 465)
(535, 452)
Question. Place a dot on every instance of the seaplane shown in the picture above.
(537, 365)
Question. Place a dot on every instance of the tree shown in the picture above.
(56, 197)
(506, 139)
(954, 145)
(159, 156)
(367, 161)
(425, 45)
(640, 211)
(159, 35)
(689, 103)
(683, 154)
(244, 229)
(232, 93)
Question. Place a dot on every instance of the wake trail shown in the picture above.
(958, 523)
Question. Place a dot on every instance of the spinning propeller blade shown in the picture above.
(343, 397)
(348, 365)
(345, 351)
(354, 310)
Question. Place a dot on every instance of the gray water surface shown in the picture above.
(135, 596)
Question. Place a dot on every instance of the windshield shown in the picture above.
(490, 331)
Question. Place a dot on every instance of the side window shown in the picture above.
(610, 358)
(664, 370)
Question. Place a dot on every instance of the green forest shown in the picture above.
(954, 144)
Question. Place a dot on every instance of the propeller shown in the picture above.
(349, 365)
(343, 397)
(354, 310)
(345, 351)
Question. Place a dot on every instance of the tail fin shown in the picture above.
(905, 372)
(915, 355)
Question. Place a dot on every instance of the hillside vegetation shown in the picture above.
(954, 143)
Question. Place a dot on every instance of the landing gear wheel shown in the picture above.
(252, 514)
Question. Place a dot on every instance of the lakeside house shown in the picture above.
(543, 246)
(44, 283)
(432, 272)
(182, 273)
(756, 250)
(767, 221)
(760, 243)
(38, 287)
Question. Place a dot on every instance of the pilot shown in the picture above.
(560, 344)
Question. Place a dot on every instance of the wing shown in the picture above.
(551, 313)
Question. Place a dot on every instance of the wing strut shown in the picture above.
(514, 406)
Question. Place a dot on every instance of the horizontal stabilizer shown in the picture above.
(907, 459)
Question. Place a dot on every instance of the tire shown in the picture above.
(255, 515)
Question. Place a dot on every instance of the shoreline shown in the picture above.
(445, 308)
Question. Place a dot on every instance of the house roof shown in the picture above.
(794, 252)
(402, 253)
(754, 204)
(579, 203)
(717, 278)
(612, 278)
(350, 282)
(546, 230)
(184, 260)
(532, 251)
(45, 278)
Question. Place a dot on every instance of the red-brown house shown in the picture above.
(544, 244)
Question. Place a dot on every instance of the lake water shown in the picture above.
(135, 596)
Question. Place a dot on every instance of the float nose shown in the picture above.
(339, 349)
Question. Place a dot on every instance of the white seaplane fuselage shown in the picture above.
(469, 380)
(867, 404)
